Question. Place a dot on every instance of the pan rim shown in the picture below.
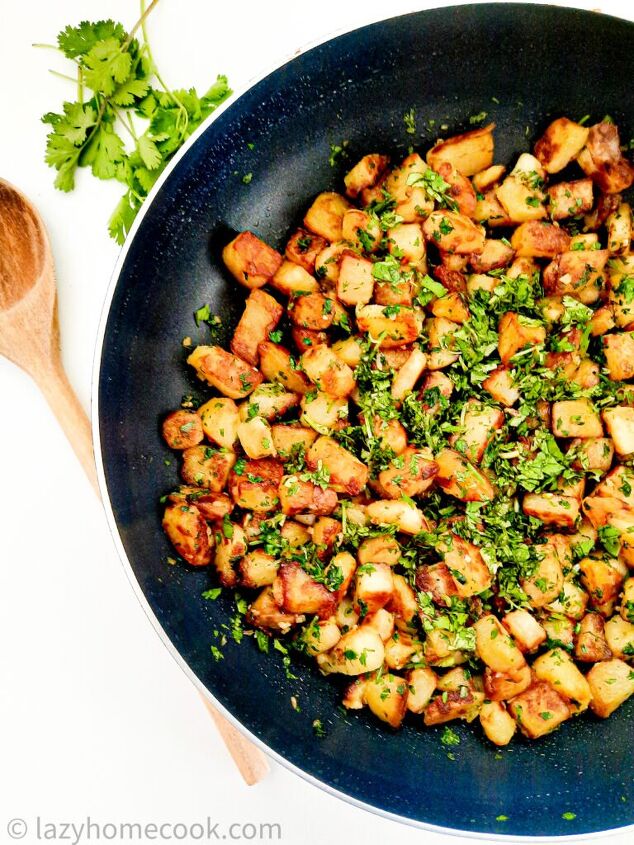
(103, 487)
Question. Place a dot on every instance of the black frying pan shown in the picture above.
(538, 62)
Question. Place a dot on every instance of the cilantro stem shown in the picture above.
(72, 79)
(140, 23)
(80, 84)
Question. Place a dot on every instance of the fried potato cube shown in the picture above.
(381, 549)
(291, 439)
(409, 474)
(255, 438)
(231, 546)
(358, 651)
(441, 649)
(292, 279)
(381, 621)
(437, 580)
(229, 374)
(495, 254)
(261, 315)
(470, 152)
(611, 683)
(374, 585)
(408, 518)
(278, 365)
(408, 242)
(250, 261)
(547, 581)
(328, 372)
(320, 636)
(619, 422)
(521, 193)
(327, 264)
(459, 478)
(496, 648)
(361, 230)
(365, 174)
(265, 613)
(182, 429)
(440, 333)
(460, 190)
(206, 467)
(618, 484)
(303, 247)
(537, 239)
(464, 560)
(386, 696)
(394, 327)
(489, 210)
(619, 355)
(325, 216)
(560, 630)
(498, 725)
(557, 668)
(403, 603)
(603, 161)
(188, 533)
(254, 485)
(478, 424)
(562, 141)
(525, 630)
(312, 311)
(450, 307)
(355, 284)
(568, 199)
(627, 600)
(341, 567)
(407, 376)
(412, 202)
(296, 592)
(591, 645)
(347, 473)
(488, 178)
(500, 385)
(455, 704)
(323, 412)
(454, 232)
(603, 578)
(576, 418)
(295, 534)
(619, 635)
(516, 332)
(421, 683)
(576, 273)
(268, 401)
(212, 506)
(602, 320)
(501, 686)
(539, 710)
(572, 600)
(257, 569)
(552, 508)
(592, 453)
(298, 496)
(220, 419)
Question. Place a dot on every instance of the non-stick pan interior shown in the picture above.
(522, 65)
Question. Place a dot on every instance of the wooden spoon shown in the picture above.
(29, 336)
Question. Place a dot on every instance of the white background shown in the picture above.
(95, 717)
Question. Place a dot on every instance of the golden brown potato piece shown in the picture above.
(591, 645)
(347, 473)
(373, 587)
(188, 533)
(460, 188)
(328, 372)
(386, 696)
(321, 636)
(250, 261)
(552, 508)
(361, 230)
(611, 683)
(469, 152)
(498, 726)
(619, 226)
(358, 651)
(537, 239)
(603, 161)
(466, 564)
(409, 474)
(212, 506)
(525, 630)
(266, 614)
(292, 280)
(560, 144)
(547, 581)
(495, 254)
(539, 710)
(365, 174)
(261, 315)
(576, 273)
(438, 581)
(229, 374)
(182, 429)
(593, 453)
(382, 549)
(454, 232)
(421, 684)
(500, 686)
(576, 418)
(355, 284)
(515, 332)
(557, 668)
(455, 704)
(461, 479)
(569, 199)
(325, 215)
(254, 484)
(496, 648)
(394, 327)
(500, 385)
(231, 546)
(619, 355)
(291, 438)
(406, 240)
(303, 247)
(297, 496)
(478, 424)
(296, 592)
(412, 202)
(603, 579)
(489, 210)
(312, 311)
(619, 422)
(220, 419)
(206, 467)
(488, 178)
(278, 365)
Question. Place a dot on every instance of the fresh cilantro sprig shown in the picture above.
(118, 84)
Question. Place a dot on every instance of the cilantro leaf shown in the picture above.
(76, 41)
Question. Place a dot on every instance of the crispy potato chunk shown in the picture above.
(576, 273)
(328, 372)
(266, 614)
(547, 581)
(559, 670)
(206, 467)
(560, 144)
(515, 332)
(257, 569)
(619, 226)
(568, 199)
(611, 683)
(403, 603)
(500, 686)
(488, 178)
(478, 424)
(291, 439)
(603, 579)
(255, 438)
(539, 710)
(495, 254)
(440, 332)
(469, 152)
(320, 636)
(382, 549)
(220, 419)
(466, 564)
(188, 533)
(591, 645)
(250, 261)
(421, 683)
(408, 242)
(603, 161)
(412, 202)
(489, 210)
(358, 651)
(498, 726)
(182, 429)
(593, 453)
(268, 401)
(254, 485)
(460, 188)
(261, 315)
(552, 508)
(361, 230)
(407, 518)
(323, 412)
(619, 635)
(291, 279)
(374, 585)
(312, 311)
(212, 506)
(296, 592)
(456, 704)
(619, 422)
(355, 284)
(231, 546)
(619, 355)
(521, 193)
(537, 239)
(347, 473)
(365, 174)
(525, 630)
(454, 232)
(438, 581)
(496, 648)
(303, 247)
(407, 376)
(409, 474)
(461, 479)
(500, 385)
(395, 327)
(297, 496)
(229, 374)
(278, 365)
(576, 418)
(325, 215)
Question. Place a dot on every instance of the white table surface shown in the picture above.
(96, 719)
